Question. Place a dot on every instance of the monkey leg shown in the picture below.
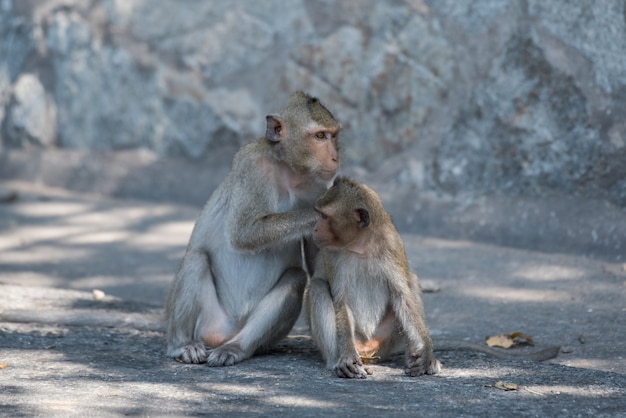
(194, 314)
(321, 317)
(269, 322)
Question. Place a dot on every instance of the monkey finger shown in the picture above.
(350, 370)
(344, 372)
(416, 366)
(361, 372)
(435, 367)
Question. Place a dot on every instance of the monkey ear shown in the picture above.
(276, 129)
(362, 217)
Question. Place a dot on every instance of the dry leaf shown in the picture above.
(503, 341)
(506, 385)
(509, 340)
(4, 365)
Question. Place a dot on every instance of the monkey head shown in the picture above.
(304, 135)
(349, 214)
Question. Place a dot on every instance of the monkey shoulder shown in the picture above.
(256, 168)
(248, 162)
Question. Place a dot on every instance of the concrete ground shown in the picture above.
(57, 246)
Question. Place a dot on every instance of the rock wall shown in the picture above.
(498, 97)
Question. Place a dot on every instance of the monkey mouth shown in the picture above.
(325, 174)
(320, 242)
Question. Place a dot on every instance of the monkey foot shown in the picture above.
(193, 353)
(225, 355)
(418, 366)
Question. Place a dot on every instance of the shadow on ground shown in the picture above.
(57, 246)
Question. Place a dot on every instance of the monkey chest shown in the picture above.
(368, 298)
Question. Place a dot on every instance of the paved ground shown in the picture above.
(56, 247)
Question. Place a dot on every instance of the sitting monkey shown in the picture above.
(239, 286)
(363, 302)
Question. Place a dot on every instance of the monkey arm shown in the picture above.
(254, 222)
(349, 363)
(419, 356)
(268, 230)
(345, 329)
(410, 313)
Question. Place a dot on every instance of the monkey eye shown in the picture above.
(320, 135)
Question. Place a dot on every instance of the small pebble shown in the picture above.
(98, 294)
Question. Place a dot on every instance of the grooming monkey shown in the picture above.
(240, 284)
(363, 302)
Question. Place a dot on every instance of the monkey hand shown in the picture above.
(351, 366)
(192, 353)
(226, 355)
(420, 363)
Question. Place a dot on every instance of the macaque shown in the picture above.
(240, 285)
(363, 302)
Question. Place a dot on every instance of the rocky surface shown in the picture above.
(492, 97)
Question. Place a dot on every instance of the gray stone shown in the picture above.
(32, 116)
(596, 29)
(486, 97)
(526, 127)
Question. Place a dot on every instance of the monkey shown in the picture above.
(363, 302)
(240, 284)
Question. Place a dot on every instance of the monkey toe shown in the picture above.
(226, 355)
(194, 353)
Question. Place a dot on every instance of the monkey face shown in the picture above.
(323, 147)
(323, 232)
(305, 137)
(337, 227)
(345, 216)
